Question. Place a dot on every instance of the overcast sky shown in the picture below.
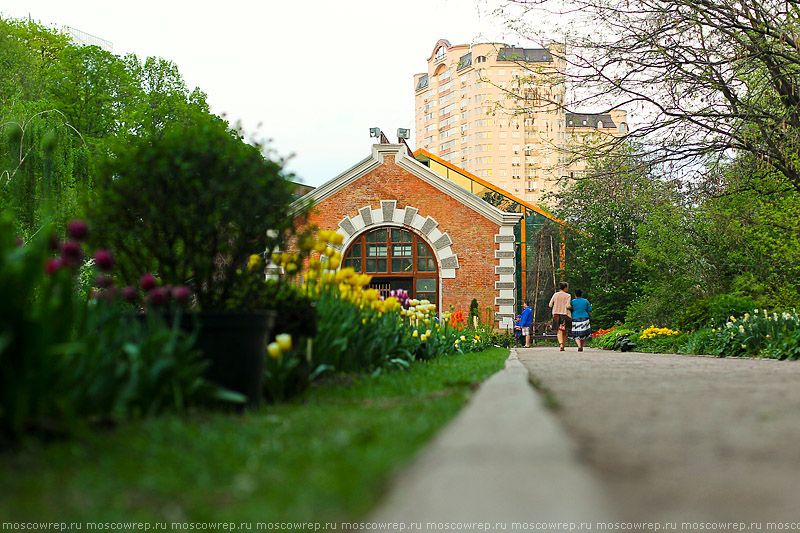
(316, 74)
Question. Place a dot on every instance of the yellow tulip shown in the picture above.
(274, 350)
(324, 235)
(284, 341)
(336, 238)
(333, 263)
(320, 246)
(255, 263)
(415, 334)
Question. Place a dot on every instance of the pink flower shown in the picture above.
(181, 294)
(103, 259)
(78, 229)
(71, 252)
(158, 297)
(148, 282)
(130, 294)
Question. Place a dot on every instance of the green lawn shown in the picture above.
(326, 457)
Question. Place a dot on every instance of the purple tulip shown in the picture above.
(130, 294)
(71, 252)
(78, 229)
(158, 297)
(148, 282)
(181, 294)
(103, 259)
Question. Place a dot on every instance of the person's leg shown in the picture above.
(561, 338)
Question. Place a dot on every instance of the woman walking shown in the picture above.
(560, 303)
(581, 313)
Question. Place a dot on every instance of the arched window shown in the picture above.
(396, 259)
(441, 52)
(481, 59)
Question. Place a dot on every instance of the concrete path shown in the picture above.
(503, 460)
(678, 439)
(636, 442)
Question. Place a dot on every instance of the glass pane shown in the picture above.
(421, 265)
(396, 266)
(426, 285)
(370, 237)
(401, 250)
(431, 265)
(407, 264)
(382, 264)
(371, 265)
(376, 250)
(357, 265)
(430, 296)
(407, 237)
(380, 235)
(422, 250)
(396, 237)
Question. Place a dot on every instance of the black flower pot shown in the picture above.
(234, 343)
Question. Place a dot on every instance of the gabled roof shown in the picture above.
(405, 161)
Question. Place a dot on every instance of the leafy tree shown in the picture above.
(609, 211)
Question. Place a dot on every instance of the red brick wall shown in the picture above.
(472, 234)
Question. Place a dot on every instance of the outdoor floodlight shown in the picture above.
(374, 132)
(403, 133)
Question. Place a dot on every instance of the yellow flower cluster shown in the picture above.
(652, 332)
(282, 345)
(419, 311)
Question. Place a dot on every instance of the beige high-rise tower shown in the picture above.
(498, 112)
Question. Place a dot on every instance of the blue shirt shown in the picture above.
(525, 321)
(580, 308)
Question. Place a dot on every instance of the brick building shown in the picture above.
(411, 228)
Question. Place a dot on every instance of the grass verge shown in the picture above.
(326, 457)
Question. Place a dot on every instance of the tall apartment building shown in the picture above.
(497, 111)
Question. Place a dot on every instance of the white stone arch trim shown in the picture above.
(369, 218)
(387, 214)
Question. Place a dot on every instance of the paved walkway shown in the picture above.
(663, 439)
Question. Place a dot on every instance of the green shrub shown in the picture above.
(190, 204)
(608, 340)
(714, 310)
(699, 342)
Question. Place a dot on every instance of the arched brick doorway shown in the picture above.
(396, 258)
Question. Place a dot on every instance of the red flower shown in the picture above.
(148, 282)
(103, 259)
(78, 229)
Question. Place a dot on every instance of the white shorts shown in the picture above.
(526, 331)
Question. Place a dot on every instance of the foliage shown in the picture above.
(713, 310)
(602, 255)
(61, 105)
(326, 456)
(608, 340)
(65, 359)
(700, 342)
(774, 336)
(191, 203)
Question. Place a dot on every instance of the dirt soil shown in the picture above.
(677, 438)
